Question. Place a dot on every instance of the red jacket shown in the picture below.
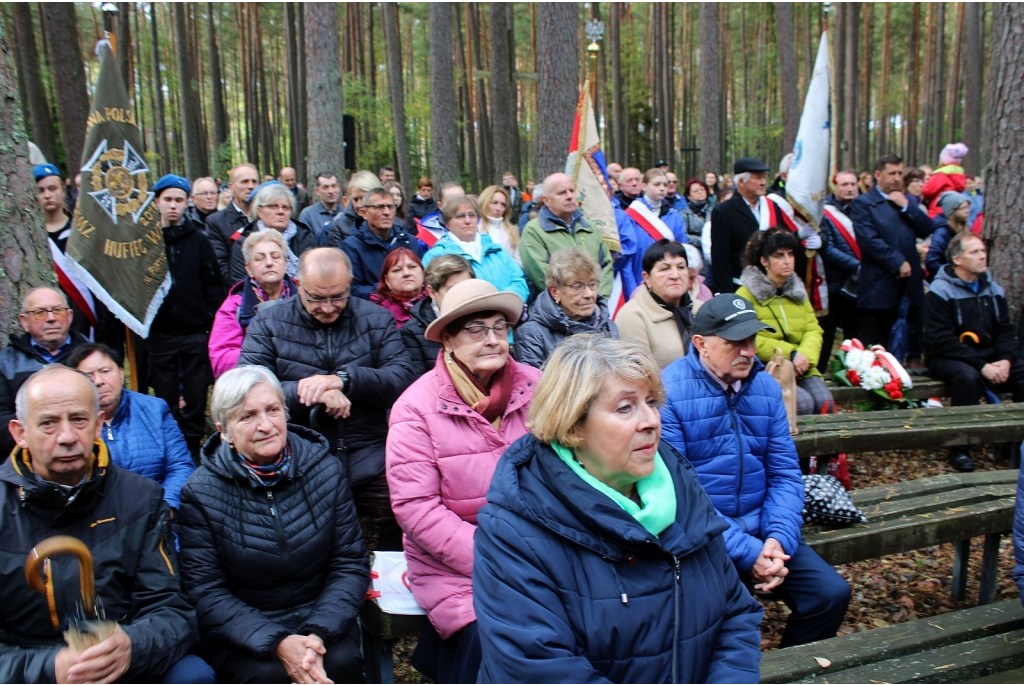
(950, 177)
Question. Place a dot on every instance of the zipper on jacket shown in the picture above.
(675, 624)
(279, 527)
(739, 450)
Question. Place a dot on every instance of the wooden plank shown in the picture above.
(918, 487)
(1015, 675)
(792, 664)
(948, 664)
(961, 560)
(989, 569)
(922, 390)
(922, 412)
(874, 540)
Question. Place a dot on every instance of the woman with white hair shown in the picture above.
(270, 206)
(272, 554)
(266, 281)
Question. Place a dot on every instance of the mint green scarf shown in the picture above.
(657, 492)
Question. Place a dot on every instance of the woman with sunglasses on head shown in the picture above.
(446, 434)
(489, 261)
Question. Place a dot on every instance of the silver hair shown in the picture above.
(786, 162)
(268, 195)
(269, 235)
(21, 400)
(231, 389)
(24, 300)
(538, 191)
(569, 263)
(364, 181)
(741, 178)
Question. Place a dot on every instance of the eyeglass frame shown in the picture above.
(333, 301)
(481, 334)
(39, 313)
(578, 288)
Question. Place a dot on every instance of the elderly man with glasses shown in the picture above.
(342, 364)
(378, 235)
(46, 320)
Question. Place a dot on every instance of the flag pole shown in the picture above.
(109, 15)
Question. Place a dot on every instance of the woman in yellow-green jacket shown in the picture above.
(779, 296)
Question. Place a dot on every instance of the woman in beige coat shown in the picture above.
(660, 314)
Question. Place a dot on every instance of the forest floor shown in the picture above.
(894, 589)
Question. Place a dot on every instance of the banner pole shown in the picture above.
(133, 365)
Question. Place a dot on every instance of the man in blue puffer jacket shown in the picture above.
(139, 431)
(728, 419)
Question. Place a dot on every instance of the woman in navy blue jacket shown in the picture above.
(598, 556)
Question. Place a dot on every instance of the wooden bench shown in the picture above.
(903, 429)
(380, 632)
(982, 644)
(925, 512)
(924, 388)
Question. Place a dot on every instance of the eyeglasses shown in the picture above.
(579, 287)
(40, 314)
(478, 332)
(337, 299)
(279, 208)
(380, 208)
(467, 215)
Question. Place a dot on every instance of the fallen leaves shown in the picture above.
(822, 661)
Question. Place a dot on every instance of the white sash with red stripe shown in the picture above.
(844, 225)
(649, 221)
(75, 289)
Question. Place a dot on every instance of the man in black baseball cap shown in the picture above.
(728, 418)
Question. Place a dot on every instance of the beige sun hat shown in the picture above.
(471, 296)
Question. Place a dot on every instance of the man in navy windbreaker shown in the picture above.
(728, 419)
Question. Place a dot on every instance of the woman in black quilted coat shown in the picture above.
(272, 553)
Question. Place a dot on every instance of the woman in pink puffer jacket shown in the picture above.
(447, 432)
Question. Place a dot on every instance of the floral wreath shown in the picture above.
(873, 369)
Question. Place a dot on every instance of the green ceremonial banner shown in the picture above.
(117, 247)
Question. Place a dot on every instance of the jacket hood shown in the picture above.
(173, 234)
(308, 447)
(948, 275)
(51, 498)
(549, 315)
(534, 483)
(549, 222)
(763, 289)
(366, 234)
(23, 343)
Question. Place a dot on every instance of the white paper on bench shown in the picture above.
(390, 579)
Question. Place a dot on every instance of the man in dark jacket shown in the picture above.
(511, 185)
(204, 200)
(727, 418)
(423, 202)
(970, 341)
(841, 255)
(321, 215)
(225, 227)
(300, 194)
(342, 365)
(63, 483)
(46, 320)
(887, 222)
(736, 219)
(372, 241)
(179, 338)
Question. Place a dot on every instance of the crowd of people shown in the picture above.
(578, 449)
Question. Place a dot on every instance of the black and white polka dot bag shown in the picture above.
(827, 503)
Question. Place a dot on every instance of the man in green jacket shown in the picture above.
(560, 224)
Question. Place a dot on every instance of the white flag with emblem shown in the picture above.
(807, 183)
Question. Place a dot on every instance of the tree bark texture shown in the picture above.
(221, 130)
(710, 86)
(503, 102)
(24, 255)
(618, 111)
(193, 139)
(485, 154)
(786, 40)
(392, 48)
(974, 63)
(323, 89)
(443, 133)
(161, 120)
(124, 44)
(68, 78)
(1004, 131)
(852, 25)
(39, 119)
(558, 83)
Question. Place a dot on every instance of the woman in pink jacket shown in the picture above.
(266, 262)
(447, 432)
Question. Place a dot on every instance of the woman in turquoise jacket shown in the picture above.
(490, 262)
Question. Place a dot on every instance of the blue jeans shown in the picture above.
(817, 596)
(190, 669)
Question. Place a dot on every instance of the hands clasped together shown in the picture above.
(325, 390)
(770, 568)
(303, 658)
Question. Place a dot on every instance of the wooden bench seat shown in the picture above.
(924, 388)
(925, 512)
(902, 429)
(985, 642)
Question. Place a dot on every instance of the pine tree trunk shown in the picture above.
(837, 29)
(467, 139)
(325, 128)
(503, 114)
(301, 121)
(161, 118)
(68, 77)
(558, 83)
(913, 73)
(485, 148)
(882, 140)
(397, 95)
(221, 131)
(38, 117)
(124, 43)
(193, 140)
(852, 25)
(974, 64)
(1004, 131)
(786, 41)
(953, 90)
(939, 93)
(710, 93)
(864, 101)
(444, 137)
(618, 113)
(24, 255)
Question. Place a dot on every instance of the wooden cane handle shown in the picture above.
(62, 544)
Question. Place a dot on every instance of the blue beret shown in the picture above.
(44, 170)
(172, 181)
(261, 187)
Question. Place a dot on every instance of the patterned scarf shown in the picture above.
(489, 402)
(288, 233)
(253, 295)
(268, 475)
